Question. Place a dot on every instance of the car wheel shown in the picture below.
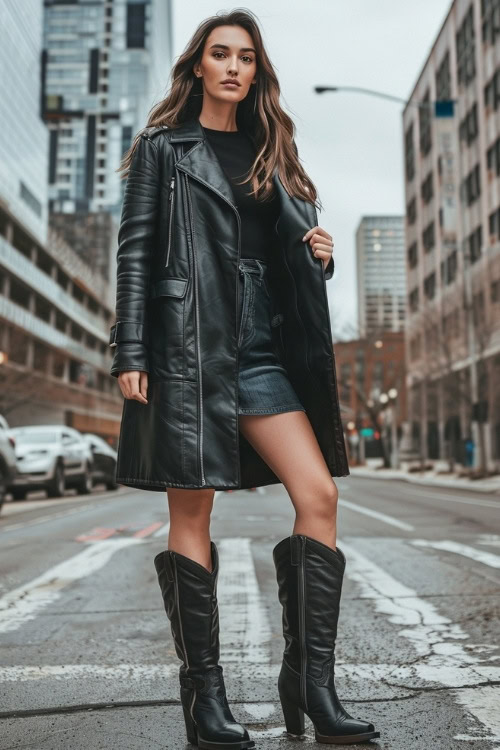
(57, 485)
(18, 494)
(86, 483)
(3, 487)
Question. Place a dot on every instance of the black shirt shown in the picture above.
(236, 153)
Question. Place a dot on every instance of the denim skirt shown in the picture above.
(264, 387)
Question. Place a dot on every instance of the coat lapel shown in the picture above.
(201, 162)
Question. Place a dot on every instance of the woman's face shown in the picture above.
(228, 54)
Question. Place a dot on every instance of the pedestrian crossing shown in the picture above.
(443, 653)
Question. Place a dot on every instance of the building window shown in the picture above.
(424, 122)
(471, 186)
(427, 188)
(443, 78)
(490, 20)
(492, 91)
(136, 26)
(430, 285)
(409, 154)
(428, 237)
(449, 268)
(413, 255)
(473, 245)
(494, 226)
(493, 157)
(411, 211)
(468, 128)
(466, 65)
(413, 299)
(478, 309)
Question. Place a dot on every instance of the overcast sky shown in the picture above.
(349, 143)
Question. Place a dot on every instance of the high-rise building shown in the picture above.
(452, 184)
(381, 274)
(55, 309)
(24, 141)
(105, 64)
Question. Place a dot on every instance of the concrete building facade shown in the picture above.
(452, 187)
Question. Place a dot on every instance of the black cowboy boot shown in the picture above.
(190, 597)
(309, 575)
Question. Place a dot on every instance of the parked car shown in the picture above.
(104, 461)
(50, 457)
(8, 466)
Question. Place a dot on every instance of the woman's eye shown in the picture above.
(244, 56)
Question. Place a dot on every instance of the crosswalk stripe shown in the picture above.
(24, 603)
(245, 633)
(163, 531)
(383, 517)
(487, 558)
(418, 674)
(435, 637)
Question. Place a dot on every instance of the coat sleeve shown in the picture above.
(330, 266)
(129, 335)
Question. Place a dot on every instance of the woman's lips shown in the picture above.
(232, 85)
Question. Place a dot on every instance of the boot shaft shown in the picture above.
(309, 576)
(189, 593)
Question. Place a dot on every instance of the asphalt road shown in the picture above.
(88, 660)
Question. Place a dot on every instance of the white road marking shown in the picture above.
(492, 540)
(376, 514)
(418, 675)
(245, 632)
(52, 517)
(260, 711)
(404, 489)
(435, 637)
(487, 558)
(485, 701)
(23, 604)
(163, 532)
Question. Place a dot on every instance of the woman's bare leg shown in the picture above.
(189, 532)
(288, 445)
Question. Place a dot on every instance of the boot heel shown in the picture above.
(191, 732)
(294, 717)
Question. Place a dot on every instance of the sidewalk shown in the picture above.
(491, 484)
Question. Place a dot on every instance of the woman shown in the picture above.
(223, 353)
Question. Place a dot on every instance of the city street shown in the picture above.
(88, 659)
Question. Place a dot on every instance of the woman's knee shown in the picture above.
(193, 505)
(321, 502)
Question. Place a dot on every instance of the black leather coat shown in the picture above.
(176, 312)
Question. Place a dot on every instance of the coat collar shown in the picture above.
(201, 162)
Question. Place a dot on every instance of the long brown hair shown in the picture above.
(259, 114)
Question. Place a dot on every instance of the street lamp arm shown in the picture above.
(373, 92)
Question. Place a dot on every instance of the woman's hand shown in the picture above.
(321, 243)
(134, 384)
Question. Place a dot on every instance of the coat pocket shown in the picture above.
(171, 287)
(170, 218)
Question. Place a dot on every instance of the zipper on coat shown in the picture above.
(170, 214)
(197, 316)
(302, 621)
(211, 187)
